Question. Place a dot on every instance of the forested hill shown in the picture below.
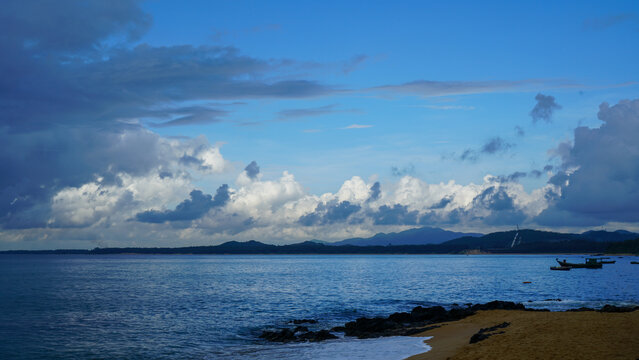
(528, 241)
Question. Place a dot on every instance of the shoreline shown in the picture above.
(536, 335)
(88, 252)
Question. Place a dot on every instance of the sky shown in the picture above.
(164, 123)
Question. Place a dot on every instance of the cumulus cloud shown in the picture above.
(598, 178)
(277, 210)
(544, 108)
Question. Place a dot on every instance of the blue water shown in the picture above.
(209, 307)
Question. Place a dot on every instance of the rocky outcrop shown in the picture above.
(485, 333)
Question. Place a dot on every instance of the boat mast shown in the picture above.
(516, 239)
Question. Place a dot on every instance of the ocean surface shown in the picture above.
(215, 307)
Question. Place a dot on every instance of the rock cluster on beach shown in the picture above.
(398, 324)
(418, 320)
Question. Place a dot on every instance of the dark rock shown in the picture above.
(482, 336)
(539, 310)
(365, 328)
(418, 330)
(300, 329)
(338, 329)
(402, 317)
(618, 309)
(459, 313)
(485, 333)
(315, 336)
(303, 321)
(552, 300)
(478, 337)
(284, 335)
(581, 309)
(493, 328)
(498, 305)
(434, 314)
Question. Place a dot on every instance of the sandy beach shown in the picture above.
(537, 335)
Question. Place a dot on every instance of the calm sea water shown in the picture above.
(209, 307)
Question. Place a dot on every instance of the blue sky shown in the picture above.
(115, 113)
(400, 43)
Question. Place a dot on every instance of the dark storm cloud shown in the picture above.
(190, 209)
(514, 177)
(599, 174)
(442, 203)
(501, 206)
(70, 25)
(469, 154)
(495, 145)
(40, 163)
(394, 215)
(375, 191)
(75, 86)
(492, 146)
(252, 170)
(329, 213)
(536, 173)
(544, 108)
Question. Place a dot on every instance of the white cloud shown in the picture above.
(356, 126)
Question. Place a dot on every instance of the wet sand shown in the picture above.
(538, 335)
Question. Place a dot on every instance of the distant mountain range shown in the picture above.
(414, 241)
(419, 236)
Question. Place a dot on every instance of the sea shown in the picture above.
(216, 306)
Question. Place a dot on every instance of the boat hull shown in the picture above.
(580, 266)
(561, 268)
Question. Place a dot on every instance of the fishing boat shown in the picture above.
(562, 268)
(591, 263)
(603, 261)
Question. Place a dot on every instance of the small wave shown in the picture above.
(386, 348)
